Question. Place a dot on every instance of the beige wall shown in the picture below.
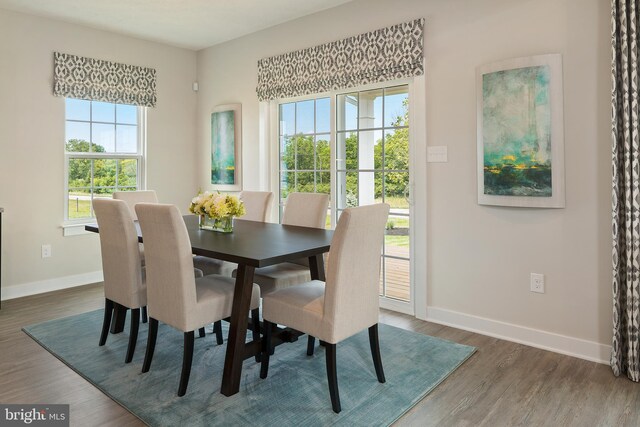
(32, 140)
(478, 258)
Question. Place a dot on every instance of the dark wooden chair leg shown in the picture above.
(266, 349)
(151, 344)
(255, 328)
(272, 350)
(332, 377)
(133, 334)
(217, 329)
(145, 318)
(201, 332)
(119, 318)
(106, 323)
(186, 362)
(374, 343)
(311, 343)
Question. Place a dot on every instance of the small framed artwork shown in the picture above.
(226, 147)
(520, 133)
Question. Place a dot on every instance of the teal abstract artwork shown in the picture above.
(516, 132)
(223, 148)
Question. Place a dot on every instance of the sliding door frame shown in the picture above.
(270, 179)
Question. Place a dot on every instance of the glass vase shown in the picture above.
(221, 225)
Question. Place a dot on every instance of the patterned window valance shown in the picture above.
(98, 80)
(389, 53)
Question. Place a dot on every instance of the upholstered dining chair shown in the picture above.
(124, 282)
(174, 297)
(256, 204)
(304, 210)
(131, 198)
(347, 304)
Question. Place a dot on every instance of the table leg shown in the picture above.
(237, 331)
(316, 267)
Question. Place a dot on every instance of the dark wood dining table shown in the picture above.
(251, 245)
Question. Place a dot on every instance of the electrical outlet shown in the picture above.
(46, 251)
(537, 283)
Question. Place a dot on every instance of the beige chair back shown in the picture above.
(171, 288)
(133, 197)
(306, 210)
(351, 299)
(256, 205)
(120, 254)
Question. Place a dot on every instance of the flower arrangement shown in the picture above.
(216, 210)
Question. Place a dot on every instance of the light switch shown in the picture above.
(437, 154)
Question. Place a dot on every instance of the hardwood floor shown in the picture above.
(503, 384)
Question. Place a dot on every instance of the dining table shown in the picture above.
(250, 245)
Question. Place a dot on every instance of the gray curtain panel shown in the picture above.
(98, 80)
(389, 53)
(625, 355)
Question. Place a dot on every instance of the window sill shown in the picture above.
(75, 229)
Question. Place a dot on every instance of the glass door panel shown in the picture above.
(396, 278)
(305, 148)
(372, 166)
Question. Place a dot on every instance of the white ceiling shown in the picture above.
(192, 24)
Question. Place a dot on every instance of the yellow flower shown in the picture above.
(216, 205)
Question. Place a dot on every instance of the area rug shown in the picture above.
(294, 394)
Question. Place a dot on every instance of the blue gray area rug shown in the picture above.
(294, 394)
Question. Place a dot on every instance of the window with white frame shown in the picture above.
(103, 153)
(305, 150)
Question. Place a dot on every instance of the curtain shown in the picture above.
(98, 80)
(625, 355)
(389, 53)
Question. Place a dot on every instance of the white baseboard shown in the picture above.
(582, 349)
(42, 286)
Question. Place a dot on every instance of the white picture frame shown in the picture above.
(520, 117)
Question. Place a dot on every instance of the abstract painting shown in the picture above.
(226, 147)
(520, 133)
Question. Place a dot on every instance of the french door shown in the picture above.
(355, 146)
(372, 166)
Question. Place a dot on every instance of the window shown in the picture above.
(103, 153)
(305, 151)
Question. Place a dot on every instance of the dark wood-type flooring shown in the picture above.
(503, 384)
